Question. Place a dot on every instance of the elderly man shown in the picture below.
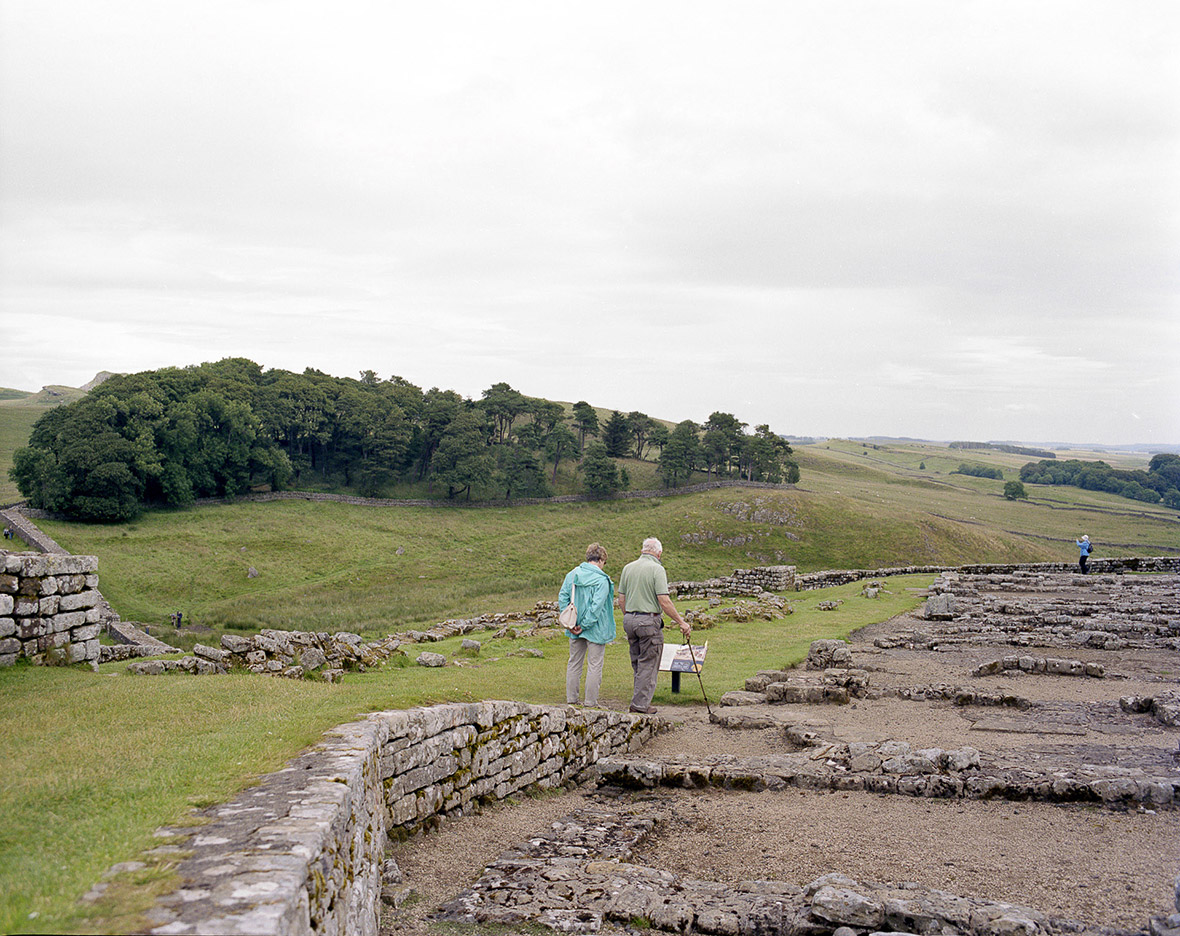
(643, 598)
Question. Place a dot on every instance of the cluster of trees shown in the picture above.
(1001, 447)
(722, 448)
(980, 471)
(1161, 481)
(221, 429)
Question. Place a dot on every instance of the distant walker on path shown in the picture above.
(1084, 550)
(643, 597)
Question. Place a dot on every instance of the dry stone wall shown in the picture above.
(784, 577)
(49, 608)
(301, 853)
(743, 582)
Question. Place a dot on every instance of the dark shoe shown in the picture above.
(644, 711)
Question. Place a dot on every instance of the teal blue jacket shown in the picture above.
(594, 597)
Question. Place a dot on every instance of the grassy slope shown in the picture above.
(16, 422)
(326, 566)
(84, 792)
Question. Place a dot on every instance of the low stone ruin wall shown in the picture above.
(49, 608)
(27, 530)
(742, 582)
(784, 578)
(301, 853)
(828, 579)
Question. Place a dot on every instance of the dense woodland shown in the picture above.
(169, 436)
(1161, 481)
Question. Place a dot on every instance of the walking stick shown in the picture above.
(697, 666)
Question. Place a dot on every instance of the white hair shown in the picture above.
(1085, 537)
(653, 546)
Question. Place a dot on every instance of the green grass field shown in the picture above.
(16, 422)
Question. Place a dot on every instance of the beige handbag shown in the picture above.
(568, 618)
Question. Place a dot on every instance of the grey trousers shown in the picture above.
(582, 649)
(645, 638)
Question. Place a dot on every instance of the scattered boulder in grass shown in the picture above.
(471, 646)
(426, 658)
(252, 572)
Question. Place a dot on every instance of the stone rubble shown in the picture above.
(1046, 609)
(891, 767)
(1165, 706)
(579, 878)
(1048, 665)
(291, 654)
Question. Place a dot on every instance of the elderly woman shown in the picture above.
(593, 596)
(1084, 550)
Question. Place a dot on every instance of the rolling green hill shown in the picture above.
(333, 566)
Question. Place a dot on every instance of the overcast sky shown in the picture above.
(938, 219)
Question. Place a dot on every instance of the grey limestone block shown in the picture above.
(212, 654)
(6, 604)
(84, 633)
(79, 601)
(76, 653)
(70, 565)
(31, 566)
(70, 584)
(69, 619)
(235, 643)
(48, 606)
(26, 606)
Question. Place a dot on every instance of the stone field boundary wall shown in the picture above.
(49, 608)
(301, 852)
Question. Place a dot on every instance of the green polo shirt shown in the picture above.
(641, 583)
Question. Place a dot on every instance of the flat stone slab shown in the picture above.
(1023, 726)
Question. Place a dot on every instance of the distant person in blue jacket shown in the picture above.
(593, 596)
(1084, 550)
